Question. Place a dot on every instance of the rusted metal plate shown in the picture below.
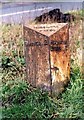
(47, 55)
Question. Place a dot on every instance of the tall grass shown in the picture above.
(13, 52)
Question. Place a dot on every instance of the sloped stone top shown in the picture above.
(46, 29)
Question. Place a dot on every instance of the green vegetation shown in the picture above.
(22, 101)
(19, 100)
(13, 62)
(79, 13)
(72, 98)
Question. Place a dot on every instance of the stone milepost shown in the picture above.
(47, 56)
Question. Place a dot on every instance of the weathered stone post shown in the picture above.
(47, 55)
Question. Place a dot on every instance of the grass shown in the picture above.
(73, 97)
(20, 100)
(13, 52)
(25, 102)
